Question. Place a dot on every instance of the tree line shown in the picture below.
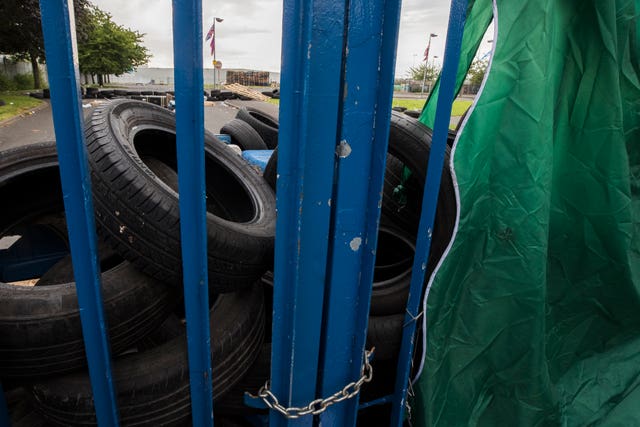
(104, 47)
(430, 72)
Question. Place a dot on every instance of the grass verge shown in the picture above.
(459, 106)
(16, 104)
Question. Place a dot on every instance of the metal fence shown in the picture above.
(338, 66)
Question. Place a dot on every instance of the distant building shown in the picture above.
(165, 76)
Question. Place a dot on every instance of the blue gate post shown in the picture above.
(187, 55)
(457, 18)
(312, 44)
(62, 64)
(368, 90)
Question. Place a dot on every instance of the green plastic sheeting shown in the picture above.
(533, 317)
(479, 16)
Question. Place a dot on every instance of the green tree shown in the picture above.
(21, 31)
(110, 48)
(476, 71)
(424, 72)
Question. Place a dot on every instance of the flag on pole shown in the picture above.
(211, 32)
(212, 35)
(213, 45)
(426, 51)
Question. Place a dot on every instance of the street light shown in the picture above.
(426, 61)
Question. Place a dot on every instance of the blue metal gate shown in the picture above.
(337, 84)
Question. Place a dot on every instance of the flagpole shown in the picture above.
(426, 61)
(215, 70)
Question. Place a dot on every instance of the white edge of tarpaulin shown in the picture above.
(457, 194)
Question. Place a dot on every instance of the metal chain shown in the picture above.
(318, 406)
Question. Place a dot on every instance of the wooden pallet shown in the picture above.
(243, 90)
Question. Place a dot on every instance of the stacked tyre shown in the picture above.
(406, 169)
(132, 158)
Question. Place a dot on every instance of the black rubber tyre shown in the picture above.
(243, 135)
(62, 271)
(138, 211)
(270, 173)
(46, 93)
(40, 329)
(413, 113)
(400, 184)
(410, 144)
(2, 103)
(265, 124)
(92, 92)
(153, 386)
(385, 334)
(392, 271)
(233, 402)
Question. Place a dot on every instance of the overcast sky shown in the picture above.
(250, 36)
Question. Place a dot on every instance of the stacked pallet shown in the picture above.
(248, 92)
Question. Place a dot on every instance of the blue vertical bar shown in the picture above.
(369, 68)
(457, 18)
(187, 56)
(313, 37)
(4, 411)
(60, 44)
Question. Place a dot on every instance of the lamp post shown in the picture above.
(426, 61)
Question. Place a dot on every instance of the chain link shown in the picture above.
(318, 406)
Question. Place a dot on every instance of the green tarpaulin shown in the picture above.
(479, 16)
(533, 317)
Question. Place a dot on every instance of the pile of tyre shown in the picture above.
(131, 149)
(406, 169)
(224, 95)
